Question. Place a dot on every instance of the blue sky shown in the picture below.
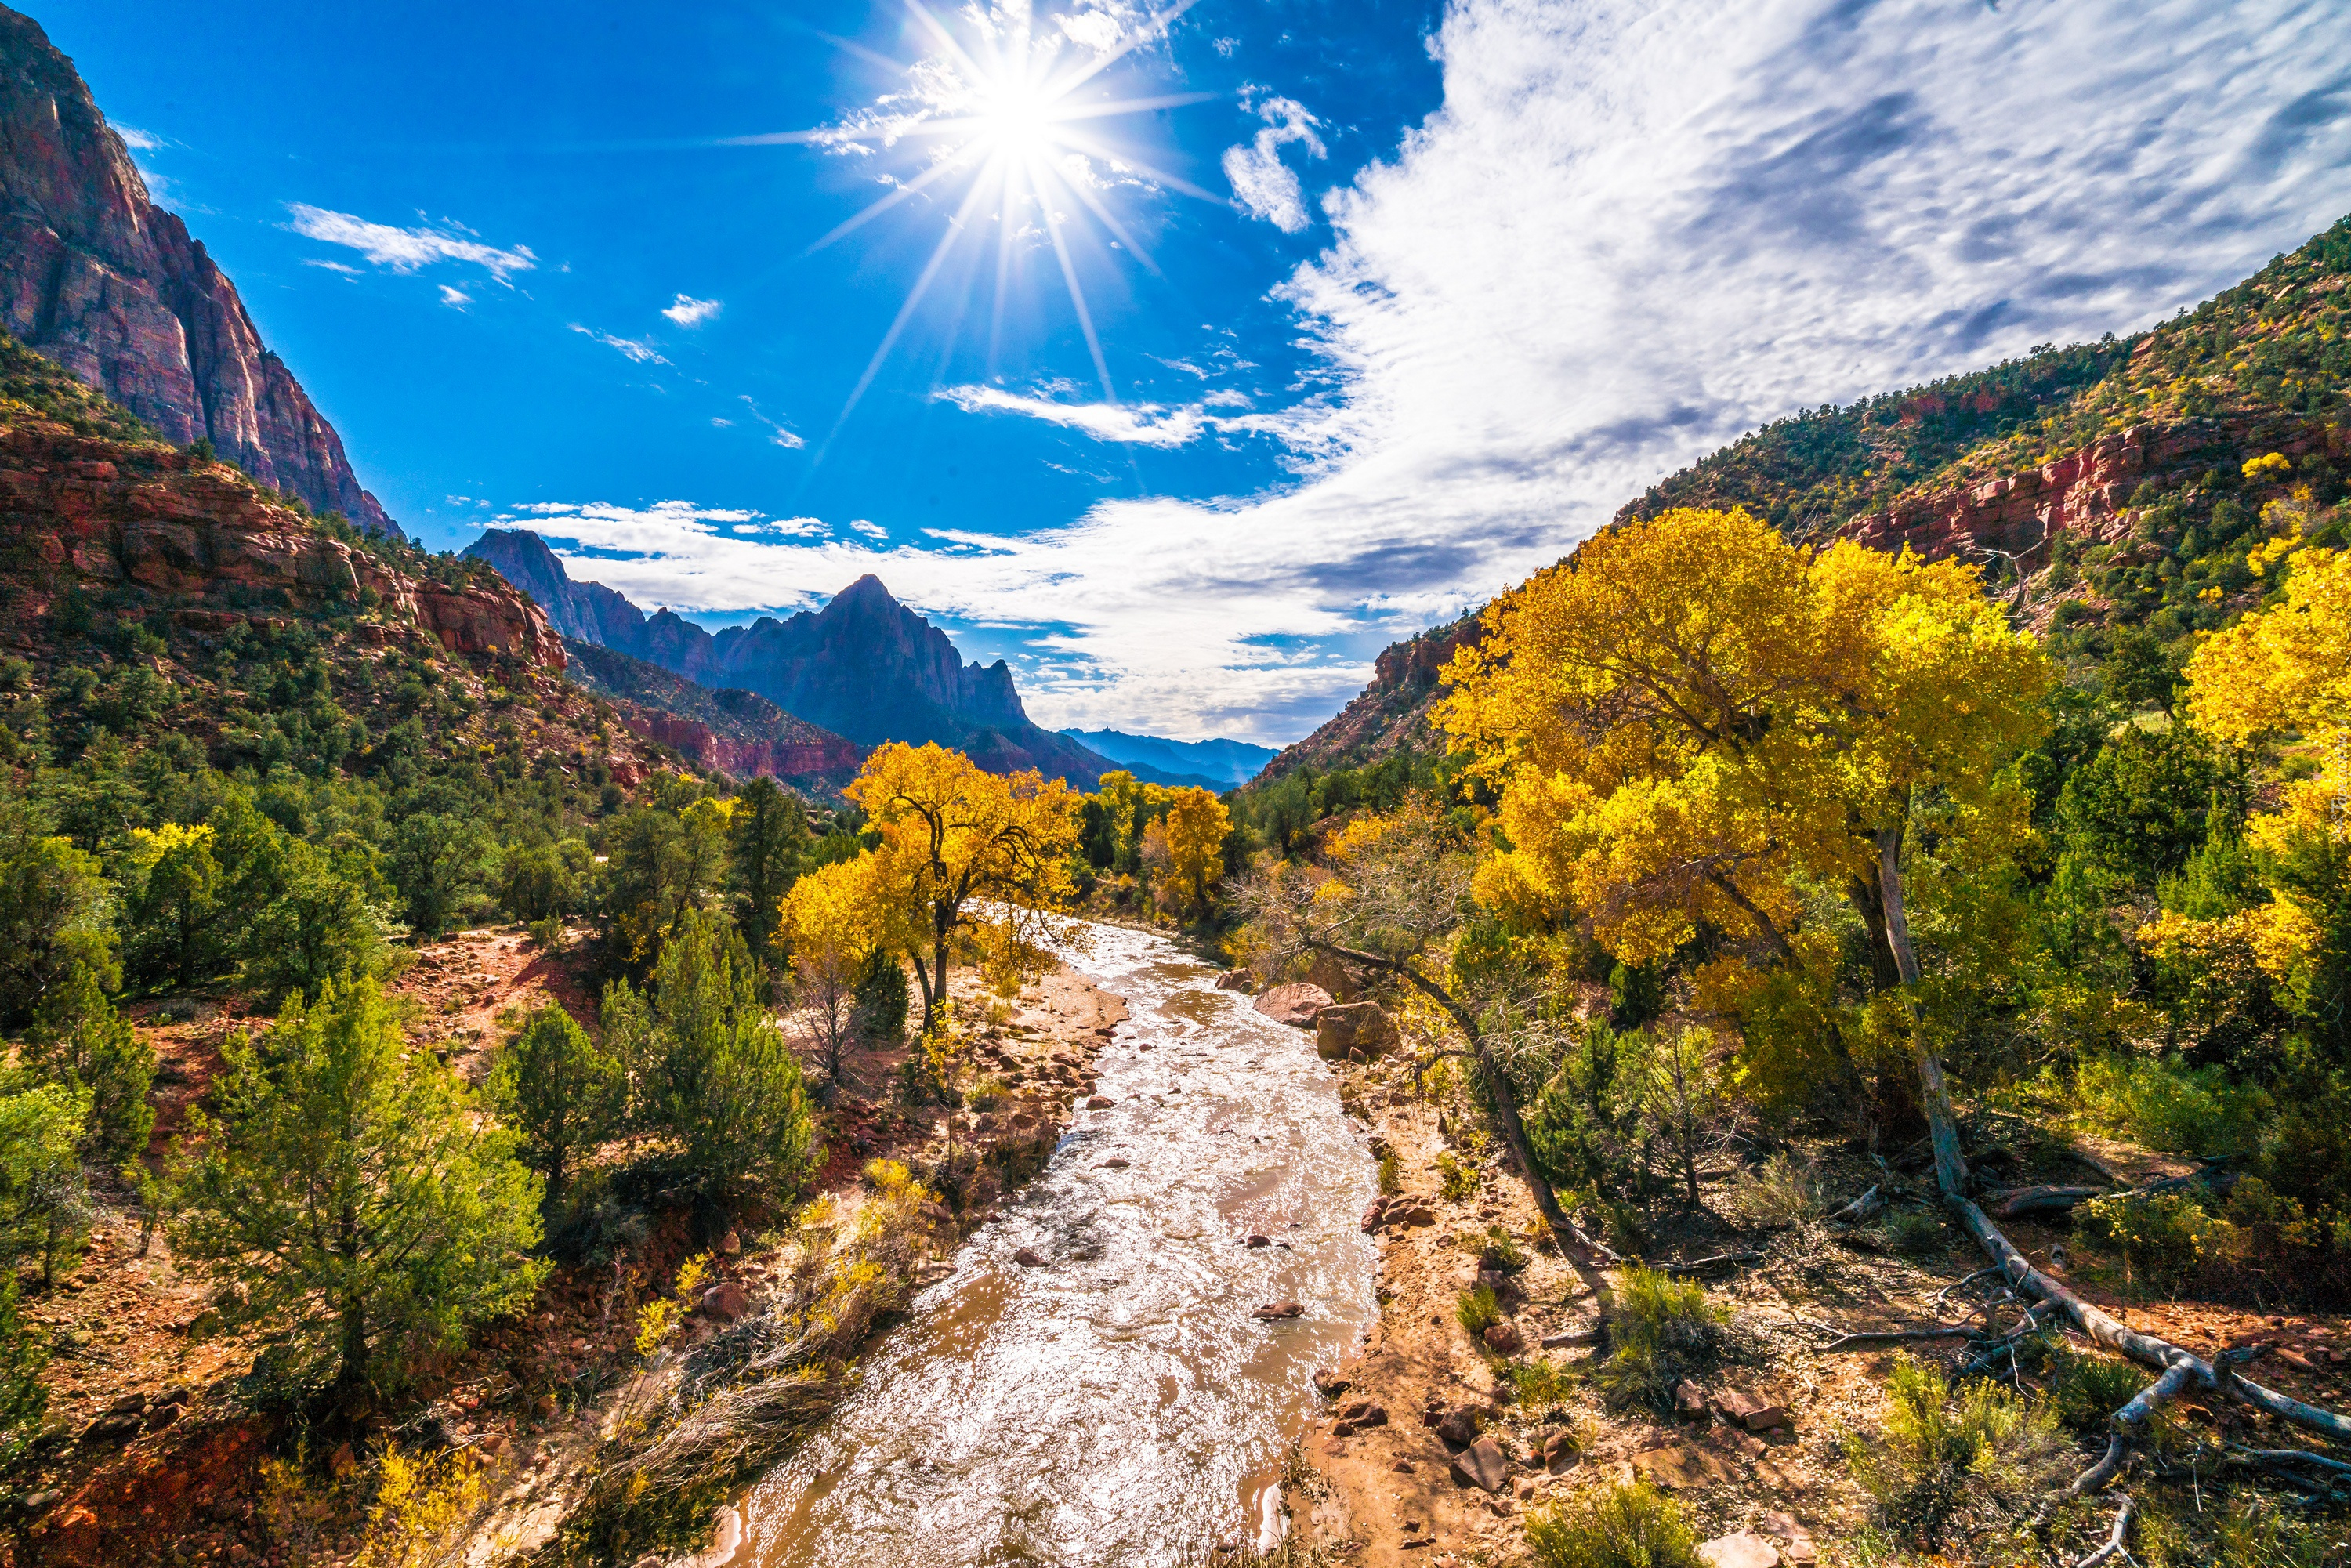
(1394, 300)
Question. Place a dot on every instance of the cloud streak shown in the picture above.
(637, 351)
(406, 250)
(1261, 182)
(688, 311)
(1629, 234)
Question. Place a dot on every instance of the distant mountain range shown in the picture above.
(1217, 765)
(96, 276)
(864, 666)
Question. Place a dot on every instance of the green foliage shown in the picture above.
(2086, 1390)
(440, 862)
(2135, 811)
(1454, 1178)
(1629, 1526)
(24, 1398)
(318, 928)
(1391, 1178)
(172, 911)
(1784, 1191)
(347, 1196)
(1664, 1330)
(1477, 1311)
(1952, 1460)
(44, 1202)
(1497, 1249)
(1636, 995)
(712, 1069)
(2165, 1104)
(56, 913)
(80, 1041)
(541, 883)
(769, 845)
(2165, 1237)
(560, 1089)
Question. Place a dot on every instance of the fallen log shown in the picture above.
(2025, 1200)
(2113, 1546)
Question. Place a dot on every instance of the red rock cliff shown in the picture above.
(199, 536)
(96, 276)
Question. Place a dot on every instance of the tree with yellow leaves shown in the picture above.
(834, 921)
(962, 848)
(1198, 824)
(1692, 719)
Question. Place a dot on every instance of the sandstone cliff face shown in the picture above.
(2084, 494)
(199, 537)
(98, 278)
(736, 732)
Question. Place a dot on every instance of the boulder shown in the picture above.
(1482, 1465)
(1328, 1384)
(1374, 1212)
(1364, 1413)
(1296, 1005)
(1028, 1258)
(1743, 1550)
(1332, 976)
(1233, 980)
(1504, 1339)
(1099, 1101)
(1460, 1426)
(1353, 1032)
(1749, 1411)
(724, 1301)
(1278, 1310)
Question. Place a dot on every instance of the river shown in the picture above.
(1119, 1405)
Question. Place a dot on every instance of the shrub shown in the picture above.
(23, 1398)
(1391, 1177)
(1478, 1310)
(1784, 1192)
(1913, 1231)
(2167, 1106)
(2165, 1237)
(1665, 1329)
(1946, 1464)
(83, 1042)
(1456, 1180)
(1497, 1249)
(561, 1090)
(1630, 1526)
(1538, 1382)
(2084, 1391)
(345, 1191)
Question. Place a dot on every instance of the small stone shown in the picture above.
(1261, 1241)
(1690, 1400)
(1029, 1258)
(1342, 1428)
(1278, 1310)
(41, 1500)
(1419, 1214)
(1230, 980)
(1328, 1384)
(1374, 1212)
(1754, 1414)
(1504, 1339)
(1743, 1550)
(1482, 1465)
(1116, 1163)
(1099, 1101)
(1401, 1468)
(731, 1244)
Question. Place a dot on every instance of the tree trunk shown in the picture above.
(1942, 1125)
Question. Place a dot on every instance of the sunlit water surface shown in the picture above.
(1120, 1405)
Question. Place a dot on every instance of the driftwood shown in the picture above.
(1701, 1265)
(2113, 1546)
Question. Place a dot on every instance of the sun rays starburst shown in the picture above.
(1008, 120)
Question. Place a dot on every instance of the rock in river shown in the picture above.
(1295, 1005)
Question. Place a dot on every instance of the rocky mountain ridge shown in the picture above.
(1216, 765)
(864, 666)
(733, 731)
(97, 278)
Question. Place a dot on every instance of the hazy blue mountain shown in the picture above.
(1216, 765)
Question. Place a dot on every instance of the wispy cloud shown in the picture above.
(636, 350)
(1627, 237)
(1261, 182)
(779, 433)
(455, 299)
(139, 140)
(406, 250)
(1132, 424)
(871, 531)
(688, 311)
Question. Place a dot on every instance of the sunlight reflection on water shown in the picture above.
(1127, 1410)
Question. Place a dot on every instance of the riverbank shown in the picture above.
(156, 1453)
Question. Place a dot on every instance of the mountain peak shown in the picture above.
(866, 591)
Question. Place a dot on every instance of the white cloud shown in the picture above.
(779, 435)
(455, 299)
(1628, 236)
(139, 140)
(636, 350)
(871, 531)
(1133, 424)
(688, 311)
(1261, 181)
(405, 250)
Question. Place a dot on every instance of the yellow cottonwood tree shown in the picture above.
(957, 841)
(2288, 669)
(834, 920)
(1692, 715)
(1197, 824)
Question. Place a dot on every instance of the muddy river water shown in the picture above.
(1120, 1405)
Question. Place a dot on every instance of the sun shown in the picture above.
(1019, 125)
